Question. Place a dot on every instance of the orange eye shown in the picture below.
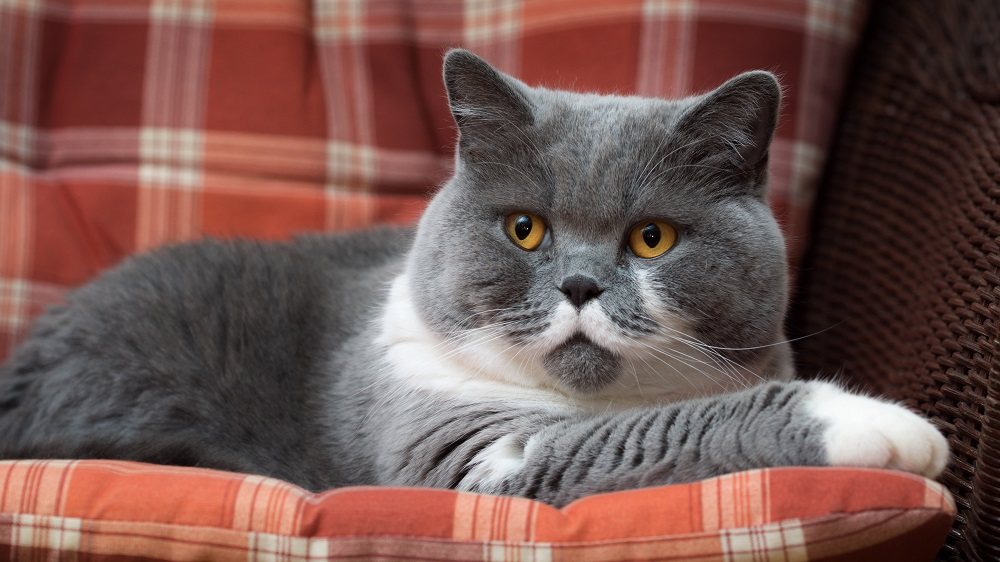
(525, 229)
(652, 238)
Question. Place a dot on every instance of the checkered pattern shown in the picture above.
(127, 125)
(88, 510)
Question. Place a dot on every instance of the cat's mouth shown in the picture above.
(582, 365)
(590, 323)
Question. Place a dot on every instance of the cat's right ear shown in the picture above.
(490, 108)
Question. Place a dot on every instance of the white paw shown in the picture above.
(863, 431)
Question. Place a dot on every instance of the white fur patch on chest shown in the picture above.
(475, 367)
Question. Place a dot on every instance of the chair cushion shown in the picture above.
(104, 510)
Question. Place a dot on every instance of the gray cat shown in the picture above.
(593, 302)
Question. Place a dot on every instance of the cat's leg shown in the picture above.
(778, 424)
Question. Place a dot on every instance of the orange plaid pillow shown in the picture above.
(110, 511)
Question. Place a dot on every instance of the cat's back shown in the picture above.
(200, 299)
(216, 341)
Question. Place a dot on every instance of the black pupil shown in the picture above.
(651, 235)
(522, 227)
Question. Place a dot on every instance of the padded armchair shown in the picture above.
(903, 273)
(148, 143)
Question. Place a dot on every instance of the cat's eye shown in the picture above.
(652, 238)
(525, 229)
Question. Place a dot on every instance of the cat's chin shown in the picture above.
(581, 365)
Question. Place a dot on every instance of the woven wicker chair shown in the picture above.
(905, 260)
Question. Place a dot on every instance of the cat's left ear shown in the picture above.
(736, 121)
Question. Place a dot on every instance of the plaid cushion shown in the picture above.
(104, 511)
(126, 125)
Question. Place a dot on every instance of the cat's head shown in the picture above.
(604, 243)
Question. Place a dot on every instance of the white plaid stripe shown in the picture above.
(22, 6)
(346, 210)
(18, 297)
(59, 534)
(171, 144)
(348, 162)
(350, 155)
(17, 144)
(411, 167)
(13, 301)
(282, 513)
(340, 20)
(170, 157)
(176, 68)
(834, 18)
(263, 547)
(517, 552)
(168, 205)
(667, 8)
(658, 45)
(487, 21)
(19, 46)
(186, 11)
(723, 507)
(490, 27)
(784, 541)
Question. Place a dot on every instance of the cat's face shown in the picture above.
(589, 237)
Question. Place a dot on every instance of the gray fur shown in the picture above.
(264, 358)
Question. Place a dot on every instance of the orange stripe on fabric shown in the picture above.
(228, 512)
(65, 476)
(533, 523)
(766, 477)
(29, 493)
(6, 505)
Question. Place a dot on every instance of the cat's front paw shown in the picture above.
(864, 431)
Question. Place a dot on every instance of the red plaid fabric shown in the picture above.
(126, 124)
(110, 511)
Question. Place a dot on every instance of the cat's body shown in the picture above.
(164, 360)
(586, 306)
